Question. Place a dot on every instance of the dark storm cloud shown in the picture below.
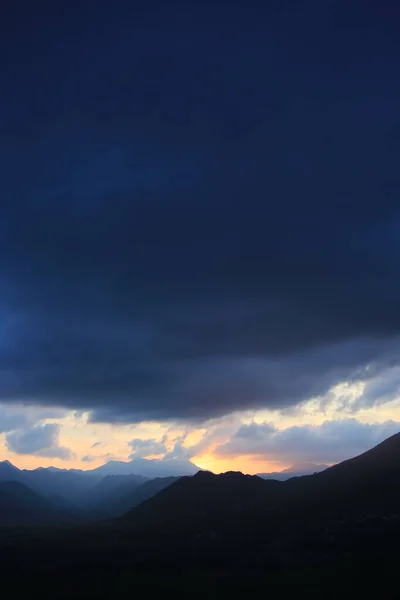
(199, 207)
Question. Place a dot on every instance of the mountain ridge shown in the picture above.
(367, 482)
(363, 484)
(20, 505)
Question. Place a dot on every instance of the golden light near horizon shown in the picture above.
(92, 444)
(246, 464)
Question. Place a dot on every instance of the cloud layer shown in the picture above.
(331, 442)
(39, 440)
(204, 216)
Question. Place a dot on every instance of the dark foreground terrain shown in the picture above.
(334, 534)
(68, 567)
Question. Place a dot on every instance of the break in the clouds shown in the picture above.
(39, 440)
(331, 442)
(199, 207)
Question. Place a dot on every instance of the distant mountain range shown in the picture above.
(116, 494)
(294, 471)
(147, 468)
(106, 491)
(367, 484)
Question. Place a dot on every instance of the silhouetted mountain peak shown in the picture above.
(206, 498)
(204, 475)
(383, 458)
(228, 475)
(191, 500)
(237, 475)
(388, 447)
(8, 471)
(7, 463)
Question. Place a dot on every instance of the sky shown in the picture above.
(199, 233)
